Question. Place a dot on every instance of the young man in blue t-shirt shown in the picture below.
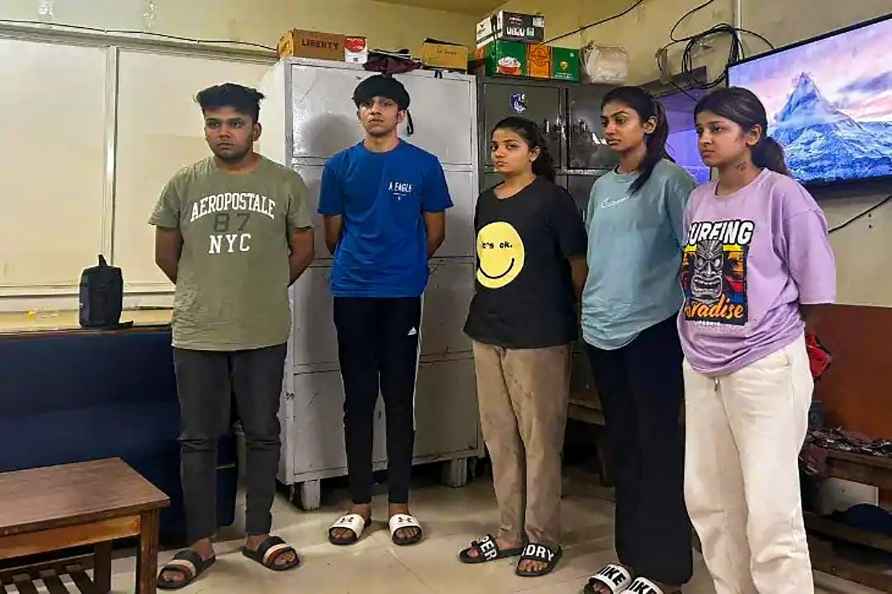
(383, 202)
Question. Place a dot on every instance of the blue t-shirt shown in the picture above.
(634, 253)
(382, 198)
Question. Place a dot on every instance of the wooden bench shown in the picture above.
(868, 470)
(72, 505)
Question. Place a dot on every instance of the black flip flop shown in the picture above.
(269, 550)
(487, 550)
(541, 553)
(187, 562)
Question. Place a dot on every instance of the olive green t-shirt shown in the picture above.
(233, 274)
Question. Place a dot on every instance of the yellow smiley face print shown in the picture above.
(500, 255)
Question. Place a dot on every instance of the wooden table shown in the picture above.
(23, 322)
(868, 470)
(72, 505)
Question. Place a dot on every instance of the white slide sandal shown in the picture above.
(400, 521)
(615, 577)
(352, 522)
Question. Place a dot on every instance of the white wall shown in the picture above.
(262, 21)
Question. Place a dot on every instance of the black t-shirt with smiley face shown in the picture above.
(524, 297)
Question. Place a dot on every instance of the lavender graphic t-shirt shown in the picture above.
(750, 259)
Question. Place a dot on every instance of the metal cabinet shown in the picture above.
(569, 115)
(539, 103)
(442, 401)
(587, 148)
(309, 116)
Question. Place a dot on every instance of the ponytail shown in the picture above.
(543, 166)
(656, 147)
(770, 155)
(647, 107)
(744, 108)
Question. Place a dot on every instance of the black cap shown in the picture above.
(381, 85)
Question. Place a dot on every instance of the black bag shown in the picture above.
(102, 295)
(388, 62)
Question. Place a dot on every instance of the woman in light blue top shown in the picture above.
(631, 298)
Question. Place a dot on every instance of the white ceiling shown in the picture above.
(473, 7)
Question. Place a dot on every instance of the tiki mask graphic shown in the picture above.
(706, 280)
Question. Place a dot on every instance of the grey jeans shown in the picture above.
(207, 383)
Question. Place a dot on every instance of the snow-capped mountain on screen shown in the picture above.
(824, 144)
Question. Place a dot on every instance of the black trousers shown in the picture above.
(642, 389)
(378, 350)
(207, 381)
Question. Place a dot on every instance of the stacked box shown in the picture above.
(511, 26)
(449, 56)
(539, 61)
(508, 58)
(510, 44)
(565, 64)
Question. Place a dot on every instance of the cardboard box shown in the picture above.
(508, 58)
(565, 64)
(511, 26)
(539, 61)
(356, 50)
(444, 55)
(311, 44)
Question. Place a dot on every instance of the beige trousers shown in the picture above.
(523, 396)
(744, 432)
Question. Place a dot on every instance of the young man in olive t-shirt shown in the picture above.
(233, 231)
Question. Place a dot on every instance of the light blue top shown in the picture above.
(634, 254)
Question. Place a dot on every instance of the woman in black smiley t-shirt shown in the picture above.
(531, 247)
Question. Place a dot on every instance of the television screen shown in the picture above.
(829, 103)
(682, 142)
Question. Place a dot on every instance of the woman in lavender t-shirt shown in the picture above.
(757, 260)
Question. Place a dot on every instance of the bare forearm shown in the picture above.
(169, 267)
(331, 243)
(333, 227)
(433, 244)
(435, 226)
(578, 286)
(298, 263)
(302, 252)
(168, 247)
(579, 274)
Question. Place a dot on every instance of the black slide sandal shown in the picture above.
(487, 550)
(187, 562)
(270, 550)
(541, 553)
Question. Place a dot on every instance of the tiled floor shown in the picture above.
(451, 517)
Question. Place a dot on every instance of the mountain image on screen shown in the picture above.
(824, 144)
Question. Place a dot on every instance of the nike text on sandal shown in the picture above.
(615, 578)
(645, 586)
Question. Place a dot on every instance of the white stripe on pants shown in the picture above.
(743, 436)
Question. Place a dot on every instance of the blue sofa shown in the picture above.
(80, 395)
